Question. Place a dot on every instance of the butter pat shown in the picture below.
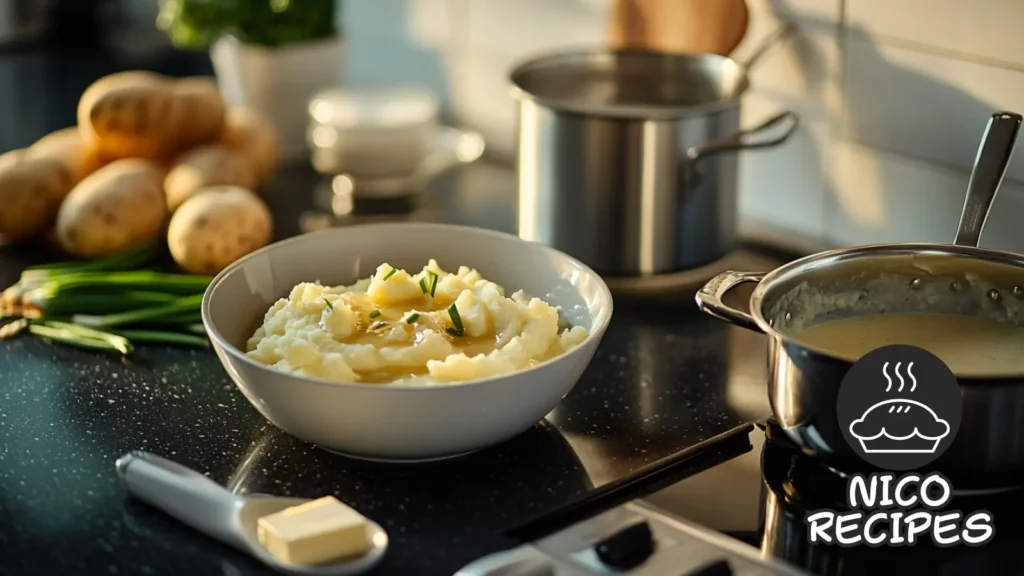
(317, 532)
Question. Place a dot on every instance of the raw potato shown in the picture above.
(211, 165)
(250, 134)
(216, 227)
(203, 110)
(67, 146)
(117, 207)
(31, 190)
(145, 115)
(130, 114)
(11, 157)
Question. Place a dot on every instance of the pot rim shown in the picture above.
(631, 111)
(828, 257)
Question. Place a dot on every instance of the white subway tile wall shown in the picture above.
(893, 98)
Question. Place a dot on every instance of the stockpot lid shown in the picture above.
(631, 84)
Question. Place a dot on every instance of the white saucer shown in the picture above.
(689, 281)
(450, 147)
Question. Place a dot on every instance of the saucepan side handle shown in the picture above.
(767, 134)
(709, 298)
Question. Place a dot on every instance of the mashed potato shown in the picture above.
(427, 328)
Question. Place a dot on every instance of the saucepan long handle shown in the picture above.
(767, 134)
(989, 167)
(709, 298)
(182, 493)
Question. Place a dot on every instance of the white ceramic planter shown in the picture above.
(279, 82)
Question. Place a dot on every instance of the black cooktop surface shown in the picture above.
(773, 490)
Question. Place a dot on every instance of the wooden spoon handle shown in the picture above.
(679, 26)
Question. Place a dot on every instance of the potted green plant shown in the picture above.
(268, 55)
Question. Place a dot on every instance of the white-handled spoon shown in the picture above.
(208, 507)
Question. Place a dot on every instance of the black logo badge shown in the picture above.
(899, 407)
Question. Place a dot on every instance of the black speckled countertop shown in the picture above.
(670, 392)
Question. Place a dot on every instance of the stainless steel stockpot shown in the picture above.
(626, 158)
(958, 278)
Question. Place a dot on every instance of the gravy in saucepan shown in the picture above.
(969, 346)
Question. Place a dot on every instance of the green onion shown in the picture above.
(164, 337)
(57, 304)
(456, 330)
(412, 318)
(423, 286)
(328, 304)
(65, 337)
(433, 282)
(82, 336)
(182, 305)
(178, 320)
(121, 261)
(12, 329)
(374, 314)
(196, 329)
(391, 273)
(181, 284)
(118, 342)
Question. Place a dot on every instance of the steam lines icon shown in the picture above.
(913, 380)
(899, 425)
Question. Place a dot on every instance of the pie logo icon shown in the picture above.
(899, 407)
(907, 427)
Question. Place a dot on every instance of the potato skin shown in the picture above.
(203, 110)
(205, 166)
(250, 134)
(12, 156)
(217, 226)
(117, 207)
(68, 146)
(34, 181)
(145, 115)
(130, 114)
(31, 190)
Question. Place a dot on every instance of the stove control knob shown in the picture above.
(627, 548)
(719, 568)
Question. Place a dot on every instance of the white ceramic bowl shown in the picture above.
(395, 422)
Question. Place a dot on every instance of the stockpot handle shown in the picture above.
(765, 135)
(709, 298)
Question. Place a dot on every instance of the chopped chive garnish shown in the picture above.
(412, 318)
(328, 304)
(374, 314)
(391, 273)
(456, 330)
(433, 282)
(423, 286)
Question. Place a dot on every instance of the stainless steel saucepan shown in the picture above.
(627, 159)
(960, 278)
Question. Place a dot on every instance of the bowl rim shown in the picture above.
(603, 316)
